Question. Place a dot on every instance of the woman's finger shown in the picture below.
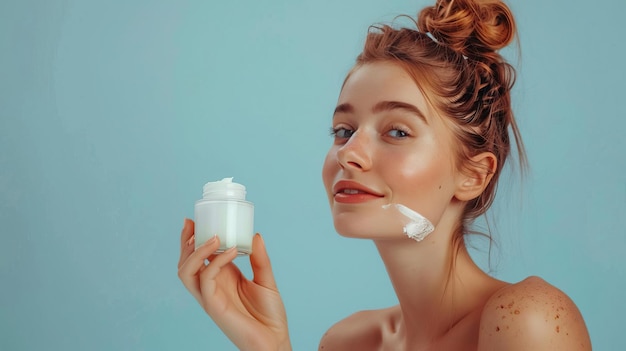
(217, 262)
(187, 232)
(187, 241)
(260, 262)
(194, 263)
(186, 251)
(213, 304)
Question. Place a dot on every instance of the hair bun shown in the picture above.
(470, 27)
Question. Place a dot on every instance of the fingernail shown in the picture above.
(211, 241)
(185, 223)
(191, 240)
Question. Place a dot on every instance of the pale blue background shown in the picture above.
(113, 114)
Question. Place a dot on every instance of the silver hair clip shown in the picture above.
(432, 37)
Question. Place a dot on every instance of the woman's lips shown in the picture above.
(354, 198)
(347, 191)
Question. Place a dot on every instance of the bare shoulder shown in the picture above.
(532, 315)
(364, 330)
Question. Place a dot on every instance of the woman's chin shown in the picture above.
(365, 230)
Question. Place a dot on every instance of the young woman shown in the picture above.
(421, 133)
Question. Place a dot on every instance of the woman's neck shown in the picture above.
(437, 283)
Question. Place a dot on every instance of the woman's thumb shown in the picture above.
(260, 262)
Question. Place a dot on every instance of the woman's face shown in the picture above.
(390, 147)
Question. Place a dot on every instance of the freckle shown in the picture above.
(558, 329)
(557, 317)
(511, 304)
(497, 328)
(516, 312)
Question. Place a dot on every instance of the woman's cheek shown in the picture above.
(420, 183)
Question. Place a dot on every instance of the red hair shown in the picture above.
(453, 57)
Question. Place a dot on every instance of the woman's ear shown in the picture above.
(475, 176)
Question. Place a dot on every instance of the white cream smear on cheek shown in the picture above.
(418, 227)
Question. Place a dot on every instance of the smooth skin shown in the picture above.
(409, 157)
(390, 141)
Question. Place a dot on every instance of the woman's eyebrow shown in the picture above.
(385, 106)
(344, 108)
(399, 105)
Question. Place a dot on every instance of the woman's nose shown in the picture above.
(356, 152)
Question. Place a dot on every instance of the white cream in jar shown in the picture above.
(224, 212)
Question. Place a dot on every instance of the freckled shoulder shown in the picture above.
(532, 315)
(360, 331)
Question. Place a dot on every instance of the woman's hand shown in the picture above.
(250, 312)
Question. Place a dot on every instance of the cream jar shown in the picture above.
(224, 212)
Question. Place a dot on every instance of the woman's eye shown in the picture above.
(341, 133)
(397, 133)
